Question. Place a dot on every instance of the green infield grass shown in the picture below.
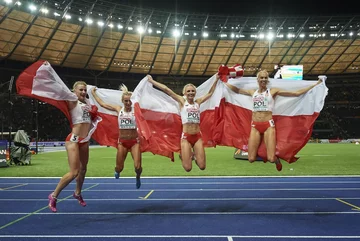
(315, 159)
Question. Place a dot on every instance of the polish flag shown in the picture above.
(107, 132)
(159, 131)
(159, 121)
(41, 82)
(294, 117)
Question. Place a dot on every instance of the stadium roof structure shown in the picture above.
(106, 36)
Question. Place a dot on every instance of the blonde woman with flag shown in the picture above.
(77, 145)
(191, 137)
(262, 124)
(128, 140)
(40, 81)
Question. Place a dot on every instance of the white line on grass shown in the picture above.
(324, 155)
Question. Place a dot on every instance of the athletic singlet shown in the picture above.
(190, 113)
(126, 120)
(263, 101)
(80, 114)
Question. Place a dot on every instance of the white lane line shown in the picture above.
(193, 183)
(190, 199)
(200, 189)
(184, 236)
(188, 213)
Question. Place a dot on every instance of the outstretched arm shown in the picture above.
(116, 108)
(210, 93)
(166, 89)
(239, 90)
(295, 93)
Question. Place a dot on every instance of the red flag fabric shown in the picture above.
(40, 81)
(294, 117)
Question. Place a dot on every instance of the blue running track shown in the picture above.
(187, 208)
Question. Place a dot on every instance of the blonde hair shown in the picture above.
(262, 71)
(183, 91)
(79, 83)
(125, 91)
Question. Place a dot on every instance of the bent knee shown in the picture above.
(252, 159)
(201, 164)
(74, 173)
(187, 167)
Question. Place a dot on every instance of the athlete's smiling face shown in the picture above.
(81, 92)
(190, 92)
(263, 79)
(126, 101)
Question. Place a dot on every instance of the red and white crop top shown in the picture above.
(190, 113)
(81, 113)
(126, 120)
(263, 101)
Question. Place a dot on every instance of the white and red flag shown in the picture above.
(294, 117)
(159, 121)
(225, 117)
(41, 82)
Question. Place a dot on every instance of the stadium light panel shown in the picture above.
(44, 10)
(32, 7)
(140, 29)
(176, 33)
(89, 21)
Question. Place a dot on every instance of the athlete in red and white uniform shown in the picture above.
(262, 121)
(77, 145)
(190, 117)
(128, 136)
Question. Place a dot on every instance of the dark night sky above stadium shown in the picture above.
(255, 7)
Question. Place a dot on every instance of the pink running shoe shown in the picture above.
(52, 203)
(80, 199)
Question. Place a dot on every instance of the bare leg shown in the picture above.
(120, 159)
(136, 155)
(186, 154)
(253, 145)
(84, 159)
(200, 154)
(270, 142)
(74, 164)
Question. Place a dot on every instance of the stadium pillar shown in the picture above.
(10, 112)
(35, 121)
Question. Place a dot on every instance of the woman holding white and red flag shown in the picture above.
(128, 140)
(262, 124)
(191, 137)
(77, 145)
(41, 82)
